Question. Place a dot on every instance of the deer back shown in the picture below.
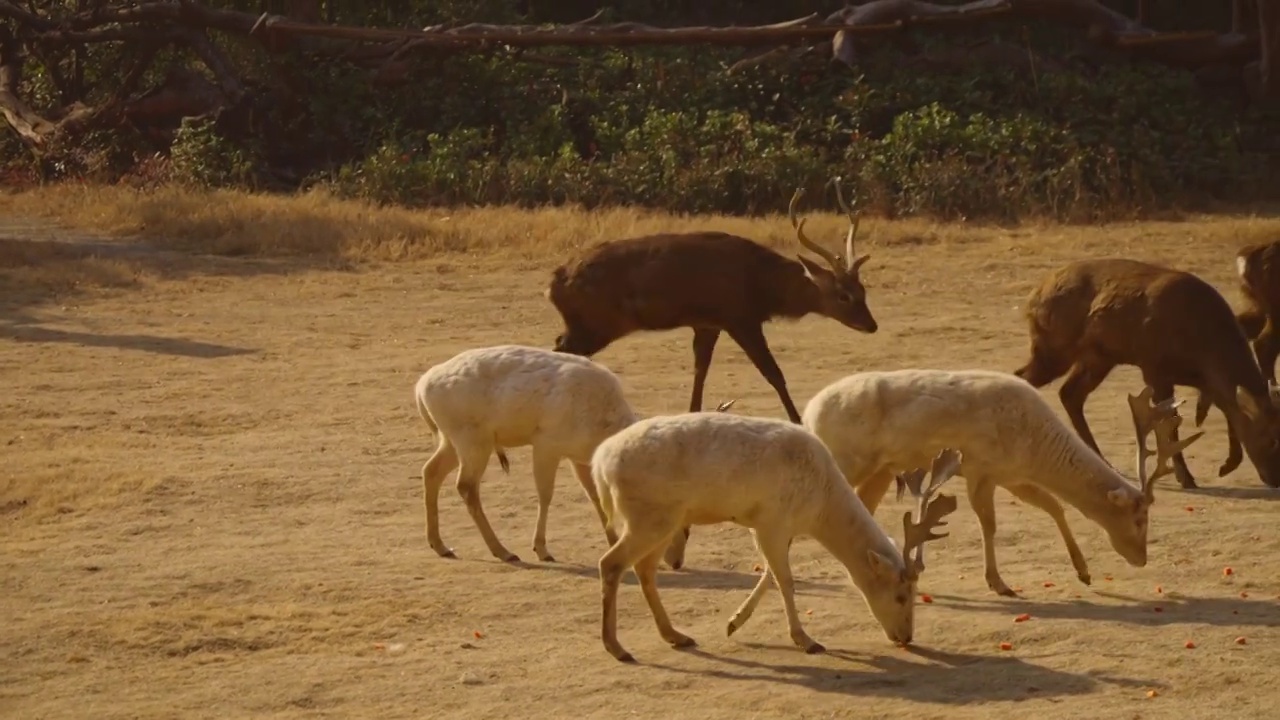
(666, 281)
(1129, 312)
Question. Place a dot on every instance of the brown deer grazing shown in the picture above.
(711, 282)
(1091, 315)
(1259, 269)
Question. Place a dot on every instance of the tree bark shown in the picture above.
(1269, 63)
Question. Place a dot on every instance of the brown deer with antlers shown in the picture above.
(712, 282)
(1259, 269)
(1092, 315)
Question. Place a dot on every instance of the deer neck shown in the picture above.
(1074, 473)
(797, 295)
(1231, 367)
(848, 531)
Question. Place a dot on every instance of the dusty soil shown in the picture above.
(211, 508)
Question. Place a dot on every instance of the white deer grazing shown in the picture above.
(483, 400)
(772, 476)
(878, 422)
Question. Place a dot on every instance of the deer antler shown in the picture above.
(1163, 419)
(850, 263)
(931, 511)
(832, 259)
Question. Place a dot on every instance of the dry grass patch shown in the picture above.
(40, 269)
(233, 223)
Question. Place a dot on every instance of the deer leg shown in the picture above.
(1235, 455)
(776, 548)
(675, 551)
(748, 606)
(582, 471)
(647, 572)
(1082, 380)
(753, 343)
(704, 345)
(434, 471)
(545, 464)
(1162, 391)
(982, 498)
(629, 550)
(473, 466)
(1037, 497)
(872, 489)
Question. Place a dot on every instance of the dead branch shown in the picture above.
(217, 62)
(1268, 87)
(28, 123)
(875, 18)
(1103, 26)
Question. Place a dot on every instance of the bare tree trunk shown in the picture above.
(1269, 65)
(1244, 15)
(1141, 16)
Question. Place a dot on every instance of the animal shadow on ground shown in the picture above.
(1174, 608)
(949, 678)
(1236, 493)
(700, 578)
(24, 328)
(36, 271)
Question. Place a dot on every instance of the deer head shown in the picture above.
(892, 596)
(842, 295)
(930, 511)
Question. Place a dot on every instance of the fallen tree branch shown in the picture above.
(876, 18)
(1103, 26)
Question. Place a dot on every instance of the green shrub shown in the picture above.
(200, 156)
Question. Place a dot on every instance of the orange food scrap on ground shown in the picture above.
(1152, 693)
(756, 568)
(1157, 609)
(1228, 571)
(1190, 645)
(1022, 618)
(1048, 584)
(1006, 646)
(926, 598)
(1240, 640)
(479, 635)
(809, 611)
(379, 646)
(1160, 588)
(1244, 594)
(1107, 578)
(1190, 509)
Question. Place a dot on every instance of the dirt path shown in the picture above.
(210, 508)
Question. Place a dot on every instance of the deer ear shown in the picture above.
(811, 269)
(1120, 499)
(880, 565)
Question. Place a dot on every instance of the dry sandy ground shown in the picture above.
(211, 508)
